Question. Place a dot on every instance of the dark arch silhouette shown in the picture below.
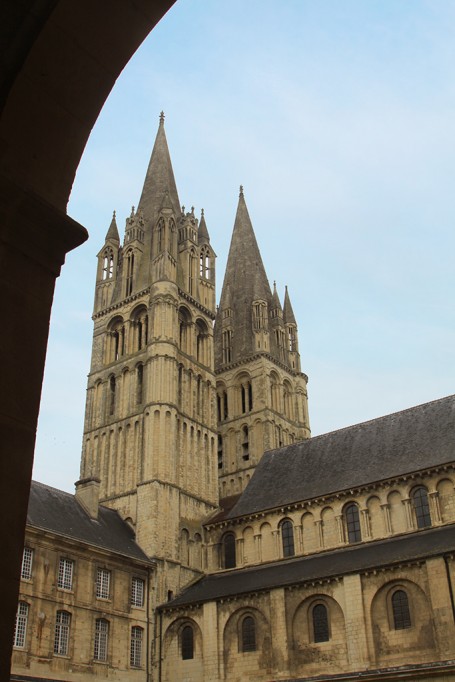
(60, 59)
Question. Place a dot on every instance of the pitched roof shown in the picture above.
(59, 512)
(400, 443)
(371, 555)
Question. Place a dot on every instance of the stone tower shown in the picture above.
(149, 447)
(261, 392)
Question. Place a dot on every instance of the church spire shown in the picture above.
(203, 233)
(245, 283)
(288, 313)
(159, 179)
(112, 233)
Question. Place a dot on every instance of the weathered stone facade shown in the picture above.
(210, 538)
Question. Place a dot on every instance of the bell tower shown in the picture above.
(261, 393)
(150, 424)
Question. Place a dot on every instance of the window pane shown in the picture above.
(229, 550)
(65, 574)
(62, 631)
(103, 579)
(351, 514)
(421, 507)
(137, 592)
(21, 624)
(248, 634)
(27, 560)
(187, 640)
(320, 623)
(101, 638)
(400, 608)
(136, 647)
(287, 538)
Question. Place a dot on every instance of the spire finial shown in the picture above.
(162, 118)
(202, 212)
(132, 212)
(241, 191)
(113, 215)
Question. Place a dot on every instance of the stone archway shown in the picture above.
(60, 59)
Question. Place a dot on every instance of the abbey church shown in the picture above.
(210, 537)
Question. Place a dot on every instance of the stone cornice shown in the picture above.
(196, 304)
(121, 303)
(257, 356)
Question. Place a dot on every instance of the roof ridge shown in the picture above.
(367, 421)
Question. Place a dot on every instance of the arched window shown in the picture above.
(101, 639)
(248, 632)
(320, 623)
(202, 336)
(108, 264)
(287, 537)
(187, 643)
(140, 383)
(421, 507)
(204, 263)
(112, 389)
(228, 545)
(227, 345)
(129, 272)
(20, 631)
(220, 451)
(184, 330)
(400, 610)
(62, 633)
(352, 521)
(245, 444)
(137, 636)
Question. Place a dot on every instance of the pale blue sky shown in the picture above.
(338, 117)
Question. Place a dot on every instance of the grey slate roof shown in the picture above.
(59, 512)
(371, 555)
(418, 438)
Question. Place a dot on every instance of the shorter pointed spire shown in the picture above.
(203, 233)
(112, 232)
(288, 313)
(276, 299)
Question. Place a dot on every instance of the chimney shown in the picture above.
(88, 494)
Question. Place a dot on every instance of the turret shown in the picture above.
(206, 266)
(108, 260)
(291, 333)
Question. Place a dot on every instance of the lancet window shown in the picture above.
(129, 272)
(227, 345)
(108, 264)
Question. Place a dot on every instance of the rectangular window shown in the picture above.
(62, 633)
(65, 574)
(21, 625)
(137, 592)
(103, 583)
(136, 647)
(27, 561)
(101, 638)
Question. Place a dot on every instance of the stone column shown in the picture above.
(366, 525)
(385, 508)
(409, 515)
(340, 528)
(319, 533)
(435, 506)
(355, 623)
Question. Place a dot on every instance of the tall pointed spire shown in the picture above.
(245, 282)
(288, 313)
(245, 272)
(159, 178)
